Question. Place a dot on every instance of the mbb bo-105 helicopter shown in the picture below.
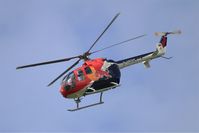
(100, 74)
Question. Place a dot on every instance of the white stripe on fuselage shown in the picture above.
(141, 59)
(80, 92)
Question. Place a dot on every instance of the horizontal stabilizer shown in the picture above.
(146, 64)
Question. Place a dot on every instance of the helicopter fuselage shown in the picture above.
(92, 76)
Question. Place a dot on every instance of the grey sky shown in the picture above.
(162, 98)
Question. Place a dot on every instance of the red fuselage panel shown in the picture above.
(82, 78)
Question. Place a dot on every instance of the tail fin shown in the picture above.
(163, 41)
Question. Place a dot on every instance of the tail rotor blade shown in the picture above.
(176, 32)
(160, 33)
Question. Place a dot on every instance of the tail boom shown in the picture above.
(146, 58)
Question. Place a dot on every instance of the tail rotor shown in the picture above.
(177, 32)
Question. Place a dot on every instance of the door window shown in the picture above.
(88, 70)
(80, 75)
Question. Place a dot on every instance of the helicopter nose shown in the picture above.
(63, 91)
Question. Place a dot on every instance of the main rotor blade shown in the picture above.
(64, 72)
(119, 43)
(48, 62)
(103, 31)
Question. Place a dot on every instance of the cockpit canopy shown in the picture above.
(69, 81)
(69, 78)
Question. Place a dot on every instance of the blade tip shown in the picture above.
(18, 68)
(49, 84)
(179, 32)
(156, 33)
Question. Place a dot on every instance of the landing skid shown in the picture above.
(85, 106)
(91, 105)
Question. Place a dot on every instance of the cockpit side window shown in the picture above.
(88, 70)
(80, 75)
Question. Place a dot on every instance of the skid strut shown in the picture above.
(78, 100)
(101, 97)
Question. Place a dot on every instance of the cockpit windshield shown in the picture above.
(69, 79)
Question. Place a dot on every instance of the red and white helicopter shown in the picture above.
(100, 74)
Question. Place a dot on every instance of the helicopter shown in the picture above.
(100, 74)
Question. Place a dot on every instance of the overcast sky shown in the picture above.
(162, 98)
